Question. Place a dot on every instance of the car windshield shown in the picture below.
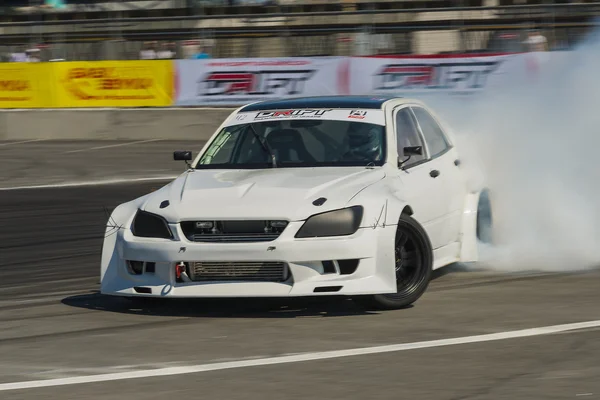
(296, 143)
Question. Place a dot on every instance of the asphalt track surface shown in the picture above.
(55, 325)
(44, 162)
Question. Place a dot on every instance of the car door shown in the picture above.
(423, 184)
(445, 157)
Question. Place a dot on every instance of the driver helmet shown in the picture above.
(364, 141)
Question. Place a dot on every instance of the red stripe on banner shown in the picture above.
(475, 55)
(408, 70)
(229, 77)
(257, 63)
(344, 77)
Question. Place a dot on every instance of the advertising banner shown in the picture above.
(114, 83)
(231, 82)
(242, 81)
(415, 76)
(25, 85)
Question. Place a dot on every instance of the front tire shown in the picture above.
(414, 264)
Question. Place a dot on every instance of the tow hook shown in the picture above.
(179, 269)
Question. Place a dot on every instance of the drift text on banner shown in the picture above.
(242, 81)
(414, 76)
(114, 83)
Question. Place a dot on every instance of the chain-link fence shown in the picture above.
(340, 33)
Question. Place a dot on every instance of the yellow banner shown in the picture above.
(114, 83)
(25, 85)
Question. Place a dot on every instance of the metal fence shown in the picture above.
(443, 30)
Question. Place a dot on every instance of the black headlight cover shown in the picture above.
(342, 222)
(150, 225)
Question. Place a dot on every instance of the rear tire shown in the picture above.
(484, 218)
(414, 264)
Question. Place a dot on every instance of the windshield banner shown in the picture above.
(358, 115)
(242, 81)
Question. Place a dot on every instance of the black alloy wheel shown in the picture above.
(413, 266)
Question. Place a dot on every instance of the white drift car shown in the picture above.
(352, 196)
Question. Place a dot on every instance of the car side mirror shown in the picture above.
(413, 151)
(182, 155)
(410, 151)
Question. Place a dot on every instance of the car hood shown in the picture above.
(277, 193)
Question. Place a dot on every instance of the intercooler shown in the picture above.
(254, 271)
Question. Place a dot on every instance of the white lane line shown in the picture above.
(22, 142)
(93, 183)
(286, 359)
(112, 145)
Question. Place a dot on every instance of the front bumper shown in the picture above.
(372, 247)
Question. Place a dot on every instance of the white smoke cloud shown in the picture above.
(534, 140)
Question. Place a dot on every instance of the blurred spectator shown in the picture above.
(55, 4)
(29, 55)
(33, 55)
(148, 51)
(200, 54)
(19, 56)
(167, 51)
(230, 3)
(536, 41)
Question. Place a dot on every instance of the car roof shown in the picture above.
(364, 102)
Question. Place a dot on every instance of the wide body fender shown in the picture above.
(382, 211)
(120, 218)
(385, 208)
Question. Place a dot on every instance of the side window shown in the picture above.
(434, 136)
(407, 135)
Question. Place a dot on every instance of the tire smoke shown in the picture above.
(534, 141)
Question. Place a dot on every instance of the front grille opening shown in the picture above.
(140, 267)
(135, 267)
(265, 271)
(186, 271)
(348, 267)
(233, 231)
(328, 267)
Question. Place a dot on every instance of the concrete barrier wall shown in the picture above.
(111, 124)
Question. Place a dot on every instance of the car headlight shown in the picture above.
(341, 222)
(150, 225)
